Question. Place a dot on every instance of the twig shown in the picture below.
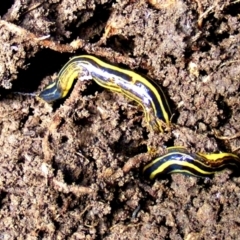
(236, 135)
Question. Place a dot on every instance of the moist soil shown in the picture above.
(73, 169)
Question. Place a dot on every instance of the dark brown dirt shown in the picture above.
(62, 167)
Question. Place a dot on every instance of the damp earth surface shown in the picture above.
(73, 169)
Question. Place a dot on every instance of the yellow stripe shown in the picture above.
(183, 164)
(68, 75)
(218, 156)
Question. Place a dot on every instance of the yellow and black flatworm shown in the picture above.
(180, 160)
(133, 85)
(156, 109)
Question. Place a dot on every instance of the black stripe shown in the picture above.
(163, 98)
(186, 170)
(165, 158)
(179, 157)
